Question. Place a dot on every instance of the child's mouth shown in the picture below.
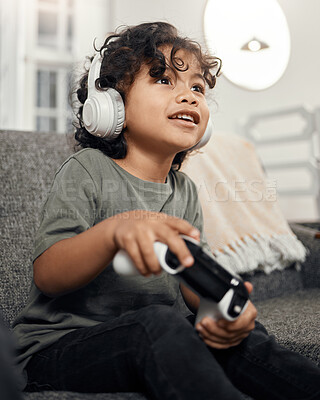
(183, 123)
(186, 117)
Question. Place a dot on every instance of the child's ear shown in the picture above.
(124, 124)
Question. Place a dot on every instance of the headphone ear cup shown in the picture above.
(206, 136)
(119, 110)
(104, 113)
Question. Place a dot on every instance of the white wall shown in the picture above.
(186, 15)
(92, 21)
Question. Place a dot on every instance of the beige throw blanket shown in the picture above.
(244, 225)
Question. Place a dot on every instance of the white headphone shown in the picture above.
(104, 113)
(206, 136)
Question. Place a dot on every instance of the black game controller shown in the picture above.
(222, 294)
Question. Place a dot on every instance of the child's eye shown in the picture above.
(198, 88)
(164, 81)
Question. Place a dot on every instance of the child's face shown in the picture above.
(170, 114)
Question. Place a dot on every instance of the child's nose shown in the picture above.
(186, 96)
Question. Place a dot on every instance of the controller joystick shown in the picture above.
(222, 294)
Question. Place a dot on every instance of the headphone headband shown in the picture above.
(94, 73)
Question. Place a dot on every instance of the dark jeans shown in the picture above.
(9, 379)
(157, 351)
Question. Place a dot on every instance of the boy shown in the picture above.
(87, 329)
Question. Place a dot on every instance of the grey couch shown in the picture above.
(288, 302)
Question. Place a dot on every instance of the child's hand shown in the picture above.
(223, 334)
(136, 231)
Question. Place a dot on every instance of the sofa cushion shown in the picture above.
(294, 320)
(28, 163)
(306, 232)
(266, 286)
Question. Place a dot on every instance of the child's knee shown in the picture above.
(159, 320)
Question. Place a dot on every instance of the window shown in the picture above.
(48, 29)
(40, 41)
(52, 108)
(47, 113)
(54, 45)
(69, 32)
(46, 124)
(46, 89)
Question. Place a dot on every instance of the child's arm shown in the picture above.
(74, 262)
(191, 299)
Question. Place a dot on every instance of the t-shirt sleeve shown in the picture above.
(70, 207)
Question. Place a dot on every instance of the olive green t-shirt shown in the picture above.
(88, 188)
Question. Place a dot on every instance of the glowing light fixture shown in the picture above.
(255, 45)
(251, 37)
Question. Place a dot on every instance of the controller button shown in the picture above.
(237, 309)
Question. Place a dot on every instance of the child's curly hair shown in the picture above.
(123, 54)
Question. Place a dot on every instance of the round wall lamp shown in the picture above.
(251, 37)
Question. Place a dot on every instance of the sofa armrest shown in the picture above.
(306, 233)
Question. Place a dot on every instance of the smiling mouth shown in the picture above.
(186, 117)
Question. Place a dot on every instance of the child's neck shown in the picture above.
(147, 167)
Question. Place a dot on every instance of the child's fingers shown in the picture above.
(146, 241)
(165, 234)
(183, 227)
(226, 332)
(221, 346)
(134, 253)
(220, 337)
(248, 286)
(177, 245)
(210, 329)
(138, 239)
(244, 322)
